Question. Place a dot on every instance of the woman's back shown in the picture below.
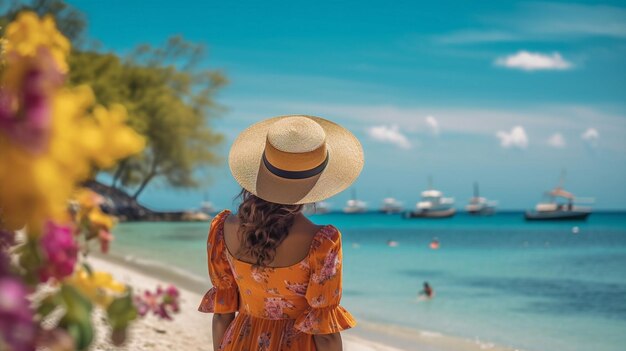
(293, 248)
(281, 305)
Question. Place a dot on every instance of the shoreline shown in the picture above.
(366, 336)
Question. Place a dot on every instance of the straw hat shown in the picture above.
(295, 159)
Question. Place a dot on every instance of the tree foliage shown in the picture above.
(170, 100)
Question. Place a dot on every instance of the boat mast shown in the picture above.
(476, 190)
(562, 179)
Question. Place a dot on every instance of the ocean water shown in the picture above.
(529, 285)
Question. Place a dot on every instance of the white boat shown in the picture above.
(560, 204)
(480, 206)
(355, 206)
(321, 207)
(433, 205)
(391, 205)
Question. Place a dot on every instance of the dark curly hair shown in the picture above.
(263, 226)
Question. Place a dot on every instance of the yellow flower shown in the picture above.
(99, 287)
(35, 187)
(87, 199)
(28, 34)
(121, 140)
(100, 219)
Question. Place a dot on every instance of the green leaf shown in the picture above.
(78, 307)
(88, 268)
(121, 312)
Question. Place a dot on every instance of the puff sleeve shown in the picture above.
(325, 315)
(223, 297)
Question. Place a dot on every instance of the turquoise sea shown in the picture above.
(528, 285)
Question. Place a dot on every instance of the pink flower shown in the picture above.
(260, 274)
(310, 323)
(17, 329)
(329, 268)
(297, 288)
(162, 302)
(328, 232)
(273, 308)
(105, 238)
(319, 301)
(25, 115)
(172, 291)
(60, 251)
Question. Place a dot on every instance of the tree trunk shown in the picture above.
(143, 185)
(118, 173)
(146, 180)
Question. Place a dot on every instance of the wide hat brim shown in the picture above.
(345, 162)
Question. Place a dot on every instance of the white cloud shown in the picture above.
(542, 21)
(557, 140)
(389, 134)
(516, 138)
(591, 136)
(572, 20)
(433, 125)
(475, 37)
(463, 120)
(531, 61)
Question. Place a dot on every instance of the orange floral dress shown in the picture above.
(279, 308)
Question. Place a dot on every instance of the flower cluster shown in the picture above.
(60, 252)
(162, 302)
(99, 287)
(16, 318)
(52, 139)
(94, 222)
(51, 136)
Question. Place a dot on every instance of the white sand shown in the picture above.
(191, 330)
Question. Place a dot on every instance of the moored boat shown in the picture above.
(433, 205)
(480, 206)
(391, 206)
(560, 205)
(354, 206)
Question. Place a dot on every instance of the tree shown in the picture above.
(170, 100)
(167, 92)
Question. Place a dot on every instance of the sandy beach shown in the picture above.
(191, 330)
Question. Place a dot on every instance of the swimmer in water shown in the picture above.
(434, 244)
(427, 291)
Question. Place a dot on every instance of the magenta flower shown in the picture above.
(172, 291)
(17, 328)
(60, 251)
(105, 238)
(162, 303)
(25, 116)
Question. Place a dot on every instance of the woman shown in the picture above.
(277, 276)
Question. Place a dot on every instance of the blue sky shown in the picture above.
(505, 93)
